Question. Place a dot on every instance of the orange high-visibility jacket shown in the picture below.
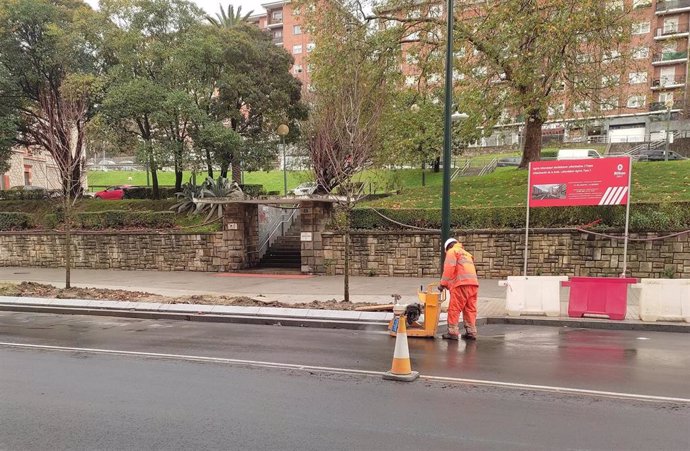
(458, 268)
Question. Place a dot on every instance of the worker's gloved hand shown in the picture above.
(441, 288)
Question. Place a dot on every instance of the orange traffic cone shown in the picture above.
(401, 370)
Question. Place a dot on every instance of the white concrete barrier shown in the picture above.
(664, 299)
(533, 295)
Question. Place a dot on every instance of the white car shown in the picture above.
(304, 189)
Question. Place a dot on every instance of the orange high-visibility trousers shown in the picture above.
(463, 299)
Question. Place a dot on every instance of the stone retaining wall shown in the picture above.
(499, 254)
(122, 250)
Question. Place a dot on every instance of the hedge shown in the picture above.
(643, 217)
(32, 194)
(142, 192)
(115, 219)
(12, 220)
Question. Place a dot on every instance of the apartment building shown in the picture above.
(283, 20)
(637, 108)
(31, 167)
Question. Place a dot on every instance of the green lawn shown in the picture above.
(652, 182)
(272, 181)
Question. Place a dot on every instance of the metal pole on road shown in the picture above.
(282, 131)
(445, 200)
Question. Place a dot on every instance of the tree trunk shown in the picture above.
(209, 163)
(224, 170)
(532, 148)
(178, 180)
(346, 278)
(154, 177)
(437, 165)
(236, 171)
(68, 236)
(424, 173)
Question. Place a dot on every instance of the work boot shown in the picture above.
(453, 332)
(470, 333)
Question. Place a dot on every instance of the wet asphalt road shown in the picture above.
(77, 400)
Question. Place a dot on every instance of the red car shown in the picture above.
(112, 193)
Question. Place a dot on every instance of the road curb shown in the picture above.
(324, 319)
(591, 323)
(201, 317)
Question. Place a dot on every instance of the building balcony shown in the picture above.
(670, 32)
(663, 58)
(661, 106)
(672, 6)
(668, 83)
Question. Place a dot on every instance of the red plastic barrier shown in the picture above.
(598, 296)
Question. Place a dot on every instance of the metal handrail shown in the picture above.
(461, 170)
(489, 167)
(278, 225)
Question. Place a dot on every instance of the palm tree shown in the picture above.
(230, 18)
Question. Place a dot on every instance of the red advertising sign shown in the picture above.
(567, 183)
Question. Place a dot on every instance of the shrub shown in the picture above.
(11, 220)
(252, 190)
(643, 217)
(143, 192)
(115, 219)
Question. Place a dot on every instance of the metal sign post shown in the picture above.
(627, 221)
(529, 188)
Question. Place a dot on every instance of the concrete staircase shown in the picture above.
(286, 250)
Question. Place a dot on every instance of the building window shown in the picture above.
(581, 107)
(556, 110)
(641, 3)
(297, 69)
(609, 104)
(610, 80)
(310, 46)
(27, 175)
(296, 11)
(296, 29)
(636, 101)
(297, 49)
(637, 78)
(410, 80)
(278, 35)
(611, 56)
(277, 16)
(411, 59)
(435, 11)
(640, 28)
(641, 53)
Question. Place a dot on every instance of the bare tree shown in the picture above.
(344, 133)
(68, 153)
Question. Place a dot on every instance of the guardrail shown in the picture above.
(672, 4)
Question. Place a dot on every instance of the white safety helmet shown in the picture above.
(449, 241)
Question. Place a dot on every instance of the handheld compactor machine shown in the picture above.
(429, 306)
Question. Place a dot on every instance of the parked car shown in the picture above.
(34, 192)
(304, 189)
(508, 162)
(658, 155)
(112, 192)
(577, 154)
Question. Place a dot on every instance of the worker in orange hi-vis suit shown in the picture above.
(460, 279)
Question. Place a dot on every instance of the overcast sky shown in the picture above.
(211, 6)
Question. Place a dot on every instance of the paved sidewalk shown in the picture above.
(289, 289)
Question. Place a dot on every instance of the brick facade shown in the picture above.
(500, 253)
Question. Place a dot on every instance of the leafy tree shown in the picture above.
(519, 58)
(144, 97)
(9, 118)
(230, 18)
(50, 64)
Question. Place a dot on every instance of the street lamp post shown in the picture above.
(669, 105)
(282, 131)
(445, 198)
